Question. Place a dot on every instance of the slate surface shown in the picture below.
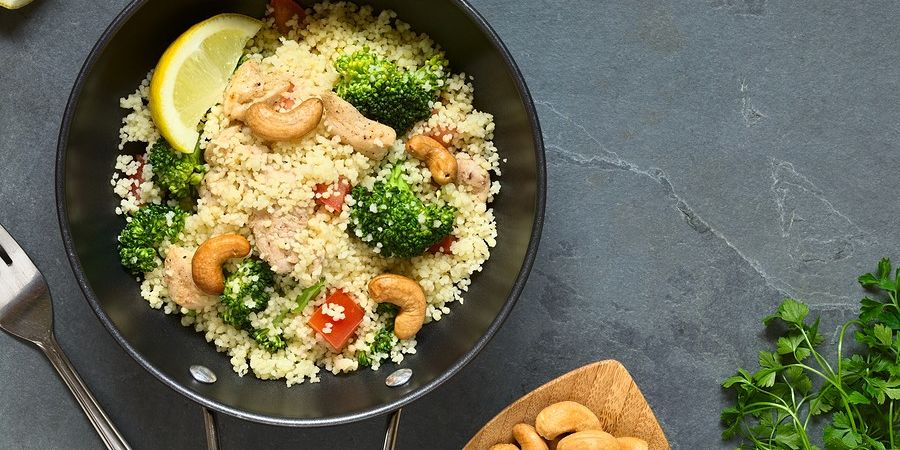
(706, 159)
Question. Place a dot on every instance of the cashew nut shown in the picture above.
(270, 125)
(206, 266)
(440, 161)
(504, 447)
(405, 293)
(588, 440)
(632, 443)
(471, 174)
(528, 438)
(368, 137)
(565, 417)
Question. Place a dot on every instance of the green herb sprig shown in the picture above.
(859, 394)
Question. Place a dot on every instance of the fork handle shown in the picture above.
(393, 429)
(105, 428)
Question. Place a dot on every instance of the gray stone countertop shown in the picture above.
(705, 158)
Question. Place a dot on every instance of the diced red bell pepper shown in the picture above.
(285, 10)
(287, 103)
(341, 330)
(332, 195)
(444, 135)
(443, 246)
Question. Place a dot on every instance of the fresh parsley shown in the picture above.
(857, 394)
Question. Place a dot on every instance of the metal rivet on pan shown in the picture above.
(398, 378)
(203, 374)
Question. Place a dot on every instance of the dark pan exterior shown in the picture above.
(86, 157)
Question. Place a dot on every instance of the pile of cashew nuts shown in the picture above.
(573, 426)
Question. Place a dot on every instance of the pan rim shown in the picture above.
(512, 298)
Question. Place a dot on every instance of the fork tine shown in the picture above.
(6, 241)
(8, 282)
(13, 250)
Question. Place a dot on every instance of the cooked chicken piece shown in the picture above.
(275, 234)
(177, 275)
(248, 86)
(470, 173)
(367, 136)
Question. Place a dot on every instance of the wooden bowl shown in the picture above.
(605, 387)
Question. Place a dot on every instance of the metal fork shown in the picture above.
(26, 312)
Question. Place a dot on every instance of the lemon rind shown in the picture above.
(178, 134)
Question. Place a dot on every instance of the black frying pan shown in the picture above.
(86, 157)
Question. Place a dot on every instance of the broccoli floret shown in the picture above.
(272, 343)
(384, 339)
(363, 359)
(247, 290)
(138, 259)
(391, 215)
(385, 93)
(176, 172)
(141, 237)
(151, 224)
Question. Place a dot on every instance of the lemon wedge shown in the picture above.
(192, 74)
(13, 4)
